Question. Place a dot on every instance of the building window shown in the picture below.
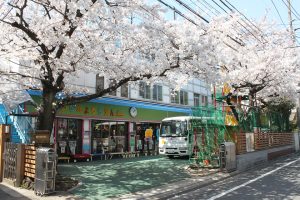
(204, 100)
(196, 100)
(175, 97)
(112, 83)
(157, 93)
(99, 83)
(144, 90)
(184, 98)
(124, 90)
(180, 97)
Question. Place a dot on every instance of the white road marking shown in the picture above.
(251, 181)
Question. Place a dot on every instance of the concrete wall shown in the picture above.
(251, 159)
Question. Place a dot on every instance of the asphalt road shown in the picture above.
(279, 180)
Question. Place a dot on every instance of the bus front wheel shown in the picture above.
(170, 156)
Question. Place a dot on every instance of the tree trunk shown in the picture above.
(47, 112)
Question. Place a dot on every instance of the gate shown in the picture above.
(10, 162)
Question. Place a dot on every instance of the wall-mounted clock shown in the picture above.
(133, 111)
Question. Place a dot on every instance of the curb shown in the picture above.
(75, 187)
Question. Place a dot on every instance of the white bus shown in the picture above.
(175, 135)
(173, 139)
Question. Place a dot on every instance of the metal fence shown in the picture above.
(10, 161)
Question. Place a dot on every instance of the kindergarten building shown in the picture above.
(117, 122)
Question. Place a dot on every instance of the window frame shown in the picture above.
(197, 97)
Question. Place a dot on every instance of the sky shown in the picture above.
(256, 9)
(252, 9)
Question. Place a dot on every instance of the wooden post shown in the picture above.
(4, 135)
(20, 169)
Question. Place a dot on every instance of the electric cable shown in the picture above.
(291, 9)
(178, 12)
(191, 10)
(277, 12)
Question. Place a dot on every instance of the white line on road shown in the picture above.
(251, 181)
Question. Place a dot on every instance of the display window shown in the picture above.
(109, 136)
(69, 136)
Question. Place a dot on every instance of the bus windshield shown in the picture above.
(173, 128)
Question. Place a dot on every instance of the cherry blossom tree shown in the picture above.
(53, 41)
(263, 60)
(44, 44)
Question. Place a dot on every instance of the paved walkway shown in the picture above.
(110, 178)
(135, 178)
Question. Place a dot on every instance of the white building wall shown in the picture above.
(133, 92)
(88, 80)
(166, 94)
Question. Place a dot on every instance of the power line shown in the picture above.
(200, 8)
(191, 10)
(251, 23)
(277, 12)
(235, 38)
(207, 7)
(247, 24)
(190, 20)
(217, 11)
(178, 12)
(291, 10)
(220, 6)
(295, 10)
(290, 21)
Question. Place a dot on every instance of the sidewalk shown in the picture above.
(142, 178)
(8, 192)
(189, 184)
(169, 190)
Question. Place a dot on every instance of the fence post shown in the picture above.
(20, 168)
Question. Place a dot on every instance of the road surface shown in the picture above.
(279, 180)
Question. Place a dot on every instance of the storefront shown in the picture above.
(108, 136)
(68, 135)
(108, 125)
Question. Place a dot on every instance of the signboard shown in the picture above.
(41, 137)
(101, 110)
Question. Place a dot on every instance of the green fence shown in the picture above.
(210, 128)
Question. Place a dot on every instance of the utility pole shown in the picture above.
(174, 16)
(291, 22)
(292, 32)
